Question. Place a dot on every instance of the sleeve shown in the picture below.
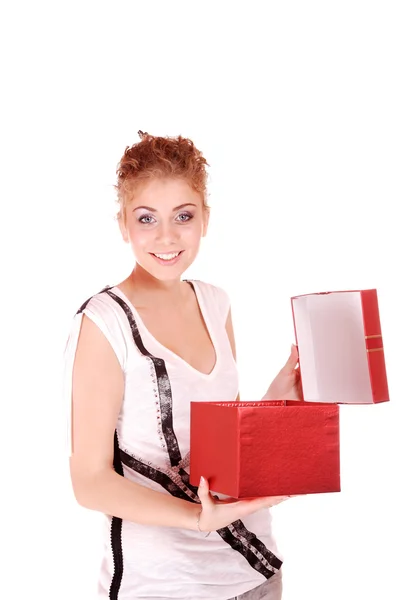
(106, 317)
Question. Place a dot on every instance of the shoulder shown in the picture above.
(103, 310)
(106, 305)
(98, 302)
(216, 296)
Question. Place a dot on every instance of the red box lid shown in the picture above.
(340, 347)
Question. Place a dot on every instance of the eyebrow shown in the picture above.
(155, 210)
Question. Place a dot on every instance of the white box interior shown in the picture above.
(332, 348)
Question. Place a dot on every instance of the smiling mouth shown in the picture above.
(167, 257)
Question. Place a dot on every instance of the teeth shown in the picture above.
(167, 256)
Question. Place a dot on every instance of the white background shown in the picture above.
(296, 108)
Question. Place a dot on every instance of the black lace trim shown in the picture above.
(163, 383)
(116, 534)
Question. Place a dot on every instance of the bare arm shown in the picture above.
(97, 392)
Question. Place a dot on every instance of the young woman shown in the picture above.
(137, 355)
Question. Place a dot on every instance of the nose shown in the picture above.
(167, 235)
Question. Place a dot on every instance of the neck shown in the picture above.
(144, 285)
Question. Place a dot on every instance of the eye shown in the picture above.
(146, 219)
(186, 216)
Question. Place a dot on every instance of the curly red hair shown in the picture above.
(160, 157)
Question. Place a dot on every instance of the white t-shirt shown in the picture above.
(152, 448)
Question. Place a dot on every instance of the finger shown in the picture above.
(298, 383)
(226, 500)
(300, 389)
(250, 506)
(274, 500)
(278, 499)
(259, 499)
(203, 493)
(292, 360)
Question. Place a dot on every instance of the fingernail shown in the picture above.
(202, 480)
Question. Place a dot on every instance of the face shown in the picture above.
(164, 224)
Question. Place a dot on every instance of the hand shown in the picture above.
(220, 513)
(287, 384)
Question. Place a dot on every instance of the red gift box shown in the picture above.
(340, 347)
(266, 448)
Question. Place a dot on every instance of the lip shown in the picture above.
(166, 263)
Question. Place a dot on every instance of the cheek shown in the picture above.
(139, 236)
(192, 232)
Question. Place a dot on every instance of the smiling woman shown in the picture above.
(137, 355)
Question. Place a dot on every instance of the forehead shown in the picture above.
(161, 192)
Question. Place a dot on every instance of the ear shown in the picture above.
(206, 218)
(122, 227)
